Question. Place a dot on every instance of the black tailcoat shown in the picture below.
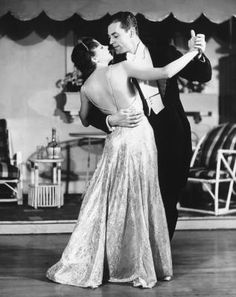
(171, 128)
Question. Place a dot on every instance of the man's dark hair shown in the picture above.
(127, 20)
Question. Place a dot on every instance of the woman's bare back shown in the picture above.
(110, 89)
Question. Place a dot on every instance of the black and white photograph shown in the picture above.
(117, 148)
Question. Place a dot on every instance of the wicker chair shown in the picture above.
(214, 166)
(10, 169)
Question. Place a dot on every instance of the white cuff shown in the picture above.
(201, 58)
(108, 125)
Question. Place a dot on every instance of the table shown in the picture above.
(90, 136)
(197, 115)
(43, 194)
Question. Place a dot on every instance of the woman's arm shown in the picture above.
(84, 108)
(138, 71)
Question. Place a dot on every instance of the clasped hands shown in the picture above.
(197, 42)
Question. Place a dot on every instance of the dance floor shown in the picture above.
(204, 266)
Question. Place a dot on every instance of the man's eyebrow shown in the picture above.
(113, 33)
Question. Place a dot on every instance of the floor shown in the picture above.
(204, 266)
(14, 212)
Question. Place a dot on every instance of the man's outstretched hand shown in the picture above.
(126, 118)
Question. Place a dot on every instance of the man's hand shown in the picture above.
(126, 118)
(197, 41)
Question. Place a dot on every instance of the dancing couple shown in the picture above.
(128, 214)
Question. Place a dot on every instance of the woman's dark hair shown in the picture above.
(82, 56)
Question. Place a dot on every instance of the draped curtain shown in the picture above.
(216, 11)
(161, 20)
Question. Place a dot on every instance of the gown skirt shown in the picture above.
(122, 221)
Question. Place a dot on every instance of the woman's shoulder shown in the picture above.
(120, 66)
(95, 78)
(90, 79)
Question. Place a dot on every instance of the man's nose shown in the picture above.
(111, 40)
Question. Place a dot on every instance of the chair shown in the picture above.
(11, 186)
(214, 166)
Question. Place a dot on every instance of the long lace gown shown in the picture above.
(122, 220)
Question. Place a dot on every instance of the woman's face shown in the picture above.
(102, 54)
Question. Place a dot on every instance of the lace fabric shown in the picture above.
(122, 219)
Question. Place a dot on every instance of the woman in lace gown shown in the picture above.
(122, 220)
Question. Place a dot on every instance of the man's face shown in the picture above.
(120, 39)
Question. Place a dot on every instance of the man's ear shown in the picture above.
(132, 32)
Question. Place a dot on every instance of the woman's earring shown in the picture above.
(95, 60)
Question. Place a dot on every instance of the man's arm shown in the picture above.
(122, 118)
(125, 118)
(199, 69)
(97, 119)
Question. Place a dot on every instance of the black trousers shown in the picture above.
(173, 139)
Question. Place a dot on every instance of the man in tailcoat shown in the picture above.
(166, 114)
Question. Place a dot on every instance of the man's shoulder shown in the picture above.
(163, 53)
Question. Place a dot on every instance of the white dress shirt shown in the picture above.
(149, 88)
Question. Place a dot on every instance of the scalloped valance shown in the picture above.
(216, 11)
